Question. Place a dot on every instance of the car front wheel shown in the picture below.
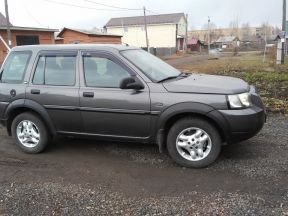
(30, 133)
(193, 142)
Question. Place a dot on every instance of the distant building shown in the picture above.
(225, 32)
(228, 42)
(74, 36)
(164, 30)
(23, 36)
(253, 39)
(194, 45)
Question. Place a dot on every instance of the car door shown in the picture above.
(55, 86)
(106, 109)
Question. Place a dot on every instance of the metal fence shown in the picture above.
(161, 51)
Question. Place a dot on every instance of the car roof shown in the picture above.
(59, 47)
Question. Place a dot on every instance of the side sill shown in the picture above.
(106, 137)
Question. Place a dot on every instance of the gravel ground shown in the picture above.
(80, 177)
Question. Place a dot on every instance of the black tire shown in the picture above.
(189, 122)
(43, 131)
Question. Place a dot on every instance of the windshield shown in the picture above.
(153, 67)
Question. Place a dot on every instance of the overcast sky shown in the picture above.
(46, 13)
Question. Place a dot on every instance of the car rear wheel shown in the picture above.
(30, 133)
(193, 142)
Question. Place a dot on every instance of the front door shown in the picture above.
(106, 109)
(55, 86)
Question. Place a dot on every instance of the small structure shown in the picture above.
(164, 30)
(194, 45)
(229, 42)
(279, 39)
(75, 36)
(23, 36)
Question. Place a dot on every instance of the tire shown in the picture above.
(37, 127)
(188, 127)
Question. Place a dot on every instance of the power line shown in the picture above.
(83, 7)
(152, 12)
(28, 12)
(106, 5)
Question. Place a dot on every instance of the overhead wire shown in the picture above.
(83, 7)
(112, 6)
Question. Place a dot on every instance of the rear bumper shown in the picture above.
(243, 124)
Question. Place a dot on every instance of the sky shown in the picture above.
(54, 14)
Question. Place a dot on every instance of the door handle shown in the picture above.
(88, 94)
(35, 91)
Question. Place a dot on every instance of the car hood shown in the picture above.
(207, 84)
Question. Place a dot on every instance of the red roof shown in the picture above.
(192, 41)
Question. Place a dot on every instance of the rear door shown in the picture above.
(106, 109)
(55, 85)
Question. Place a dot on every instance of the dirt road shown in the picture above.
(80, 177)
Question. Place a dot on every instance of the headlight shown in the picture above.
(240, 100)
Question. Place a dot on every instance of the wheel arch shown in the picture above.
(183, 110)
(24, 105)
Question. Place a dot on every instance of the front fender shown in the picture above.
(204, 110)
(182, 108)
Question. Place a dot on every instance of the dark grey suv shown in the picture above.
(123, 93)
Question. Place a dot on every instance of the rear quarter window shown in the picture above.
(15, 67)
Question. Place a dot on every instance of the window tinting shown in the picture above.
(15, 66)
(102, 72)
(55, 70)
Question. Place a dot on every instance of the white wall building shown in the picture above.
(165, 30)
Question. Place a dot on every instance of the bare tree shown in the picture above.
(266, 30)
(234, 28)
(246, 30)
(212, 26)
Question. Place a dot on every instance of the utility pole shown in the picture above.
(265, 49)
(208, 35)
(8, 24)
(145, 22)
(186, 33)
(283, 30)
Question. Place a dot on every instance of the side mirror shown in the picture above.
(131, 83)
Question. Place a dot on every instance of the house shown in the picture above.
(72, 36)
(252, 39)
(249, 42)
(23, 36)
(194, 44)
(164, 30)
(228, 42)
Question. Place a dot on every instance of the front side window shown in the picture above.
(102, 72)
(57, 70)
(15, 66)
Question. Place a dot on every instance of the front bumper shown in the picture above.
(243, 124)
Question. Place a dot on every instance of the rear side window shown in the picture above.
(57, 70)
(15, 67)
